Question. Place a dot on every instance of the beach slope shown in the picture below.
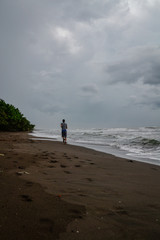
(54, 191)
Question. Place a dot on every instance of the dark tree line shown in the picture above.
(11, 119)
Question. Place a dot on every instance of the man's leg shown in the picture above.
(65, 136)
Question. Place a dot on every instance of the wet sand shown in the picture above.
(54, 191)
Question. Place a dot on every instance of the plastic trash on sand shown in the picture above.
(1, 154)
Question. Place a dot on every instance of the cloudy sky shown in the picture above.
(95, 63)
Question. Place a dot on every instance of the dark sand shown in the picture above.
(54, 191)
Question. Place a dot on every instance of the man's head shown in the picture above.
(63, 120)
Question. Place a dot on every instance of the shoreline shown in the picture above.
(114, 152)
(139, 144)
(71, 192)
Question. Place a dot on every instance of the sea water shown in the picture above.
(141, 144)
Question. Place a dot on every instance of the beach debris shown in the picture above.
(21, 173)
(131, 161)
(75, 231)
(2, 154)
(59, 196)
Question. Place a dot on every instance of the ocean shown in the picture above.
(140, 144)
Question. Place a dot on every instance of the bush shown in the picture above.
(11, 119)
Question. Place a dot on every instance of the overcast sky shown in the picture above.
(95, 63)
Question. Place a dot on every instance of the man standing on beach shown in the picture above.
(64, 131)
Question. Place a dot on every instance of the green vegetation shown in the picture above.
(11, 119)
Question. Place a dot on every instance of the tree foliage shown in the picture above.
(11, 119)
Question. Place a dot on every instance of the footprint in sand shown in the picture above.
(53, 161)
(90, 179)
(67, 172)
(82, 195)
(21, 167)
(63, 166)
(66, 156)
(51, 166)
(77, 165)
(26, 198)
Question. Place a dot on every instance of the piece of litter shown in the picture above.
(1, 154)
(21, 173)
(77, 231)
(59, 196)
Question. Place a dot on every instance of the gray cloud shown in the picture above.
(80, 59)
(141, 64)
(151, 98)
(91, 89)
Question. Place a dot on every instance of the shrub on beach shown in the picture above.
(11, 119)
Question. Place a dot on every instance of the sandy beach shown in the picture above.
(54, 191)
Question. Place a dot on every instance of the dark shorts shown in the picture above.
(64, 133)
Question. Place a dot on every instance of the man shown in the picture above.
(64, 131)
